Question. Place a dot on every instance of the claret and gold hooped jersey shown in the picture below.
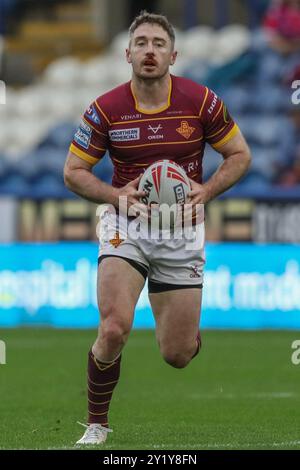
(135, 138)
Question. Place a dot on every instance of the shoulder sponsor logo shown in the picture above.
(85, 127)
(83, 135)
(213, 104)
(154, 131)
(185, 129)
(123, 135)
(93, 115)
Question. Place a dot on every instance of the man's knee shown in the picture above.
(175, 358)
(115, 325)
(180, 358)
(114, 332)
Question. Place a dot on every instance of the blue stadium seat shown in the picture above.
(59, 136)
(48, 186)
(15, 185)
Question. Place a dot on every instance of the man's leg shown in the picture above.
(177, 315)
(119, 287)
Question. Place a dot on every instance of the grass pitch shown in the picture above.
(241, 392)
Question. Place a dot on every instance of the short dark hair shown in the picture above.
(153, 18)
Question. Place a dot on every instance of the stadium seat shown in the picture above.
(48, 186)
(230, 42)
(59, 136)
(15, 185)
(63, 72)
(198, 43)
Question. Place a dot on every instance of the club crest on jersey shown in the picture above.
(185, 129)
(93, 115)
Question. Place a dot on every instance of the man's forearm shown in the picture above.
(228, 173)
(88, 186)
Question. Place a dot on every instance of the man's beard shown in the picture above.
(157, 76)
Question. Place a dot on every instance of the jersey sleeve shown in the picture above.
(91, 138)
(219, 127)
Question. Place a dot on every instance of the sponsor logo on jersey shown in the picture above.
(185, 129)
(179, 193)
(123, 135)
(154, 131)
(213, 104)
(174, 112)
(93, 115)
(116, 241)
(83, 135)
(128, 117)
(192, 166)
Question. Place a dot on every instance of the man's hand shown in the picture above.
(131, 197)
(199, 194)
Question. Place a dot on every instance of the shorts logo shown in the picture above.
(197, 271)
(123, 135)
(116, 241)
(185, 129)
(93, 115)
(83, 135)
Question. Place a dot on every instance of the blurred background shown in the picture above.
(55, 58)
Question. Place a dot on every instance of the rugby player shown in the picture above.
(155, 115)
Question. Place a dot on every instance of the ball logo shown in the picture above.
(147, 189)
(179, 193)
(156, 175)
(174, 174)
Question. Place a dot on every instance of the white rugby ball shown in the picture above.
(165, 184)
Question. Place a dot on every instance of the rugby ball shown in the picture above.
(165, 184)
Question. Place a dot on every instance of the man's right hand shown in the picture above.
(130, 196)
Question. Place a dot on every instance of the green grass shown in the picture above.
(241, 392)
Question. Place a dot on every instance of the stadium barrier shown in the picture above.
(246, 286)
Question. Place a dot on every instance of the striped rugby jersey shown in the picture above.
(135, 138)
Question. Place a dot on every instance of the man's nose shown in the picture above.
(150, 49)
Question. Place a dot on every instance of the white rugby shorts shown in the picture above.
(169, 260)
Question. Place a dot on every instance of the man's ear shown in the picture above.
(128, 56)
(173, 57)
